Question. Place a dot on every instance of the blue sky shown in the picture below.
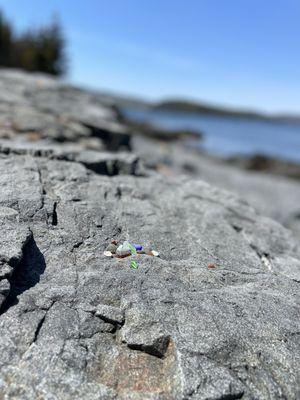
(243, 53)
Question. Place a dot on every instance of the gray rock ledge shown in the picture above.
(77, 325)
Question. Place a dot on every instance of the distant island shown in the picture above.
(187, 106)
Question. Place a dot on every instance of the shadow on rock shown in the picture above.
(26, 274)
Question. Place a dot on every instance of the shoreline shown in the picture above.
(259, 162)
(200, 108)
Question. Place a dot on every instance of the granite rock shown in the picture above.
(79, 325)
(75, 324)
(274, 196)
(35, 103)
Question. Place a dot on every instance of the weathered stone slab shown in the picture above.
(215, 316)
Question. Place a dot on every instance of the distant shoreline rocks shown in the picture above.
(162, 133)
(262, 162)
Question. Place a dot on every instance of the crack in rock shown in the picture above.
(41, 323)
(54, 214)
(157, 349)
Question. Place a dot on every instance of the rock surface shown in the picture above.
(78, 325)
(42, 107)
(274, 196)
(216, 316)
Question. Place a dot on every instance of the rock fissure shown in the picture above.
(264, 258)
(37, 331)
(146, 349)
(41, 322)
(54, 221)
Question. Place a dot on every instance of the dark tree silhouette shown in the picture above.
(42, 49)
(6, 42)
(50, 50)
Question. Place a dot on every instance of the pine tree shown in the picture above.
(50, 49)
(41, 50)
(6, 42)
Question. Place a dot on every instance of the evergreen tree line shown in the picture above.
(41, 49)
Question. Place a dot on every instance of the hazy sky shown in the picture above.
(243, 53)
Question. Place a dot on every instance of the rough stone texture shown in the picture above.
(274, 196)
(47, 108)
(13, 240)
(104, 163)
(78, 325)
(215, 317)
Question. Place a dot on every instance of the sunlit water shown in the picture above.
(228, 136)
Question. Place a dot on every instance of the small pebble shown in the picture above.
(123, 255)
(148, 251)
(112, 248)
(132, 249)
(134, 265)
(211, 266)
(124, 246)
(125, 249)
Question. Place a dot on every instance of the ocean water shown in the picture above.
(227, 136)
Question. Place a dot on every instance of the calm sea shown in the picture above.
(228, 136)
